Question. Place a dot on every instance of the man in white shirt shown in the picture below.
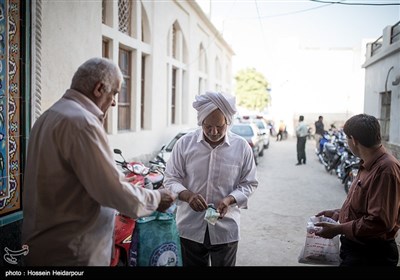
(72, 184)
(211, 166)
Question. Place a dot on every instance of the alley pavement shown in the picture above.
(273, 228)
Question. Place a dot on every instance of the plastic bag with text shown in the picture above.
(156, 241)
(318, 250)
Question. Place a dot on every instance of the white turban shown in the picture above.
(206, 103)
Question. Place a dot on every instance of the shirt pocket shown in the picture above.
(229, 176)
(359, 198)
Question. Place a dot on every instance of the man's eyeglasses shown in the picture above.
(218, 127)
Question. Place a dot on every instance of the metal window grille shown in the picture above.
(124, 16)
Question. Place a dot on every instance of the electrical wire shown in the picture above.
(356, 4)
(259, 18)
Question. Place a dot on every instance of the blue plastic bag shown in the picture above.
(155, 241)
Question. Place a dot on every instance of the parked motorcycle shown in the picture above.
(324, 139)
(350, 172)
(150, 178)
(158, 163)
(139, 176)
(334, 152)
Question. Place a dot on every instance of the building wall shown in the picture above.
(64, 35)
(382, 74)
(14, 92)
(72, 32)
(381, 70)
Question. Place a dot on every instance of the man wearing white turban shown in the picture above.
(211, 167)
(207, 103)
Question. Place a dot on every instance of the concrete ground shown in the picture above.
(273, 228)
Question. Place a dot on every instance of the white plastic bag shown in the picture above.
(318, 250)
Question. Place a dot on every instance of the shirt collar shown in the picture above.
(85, 102)
(200, 137)
(379, 152)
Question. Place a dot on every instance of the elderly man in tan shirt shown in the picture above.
(71, 182)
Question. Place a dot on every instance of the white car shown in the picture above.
(264, 129)
(253, 136)
(166, 150)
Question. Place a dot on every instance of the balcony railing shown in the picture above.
(376, 45)
(394, 37)
(395, 33)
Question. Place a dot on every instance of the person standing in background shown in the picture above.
(281, 131)
(319, 132)
(211, 166)
(301, 133)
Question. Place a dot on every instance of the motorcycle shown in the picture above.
(139, 176)
(350, 172)
(158, 163)
(150, 178)
(340, 153)
(326, 138)
(334, 151)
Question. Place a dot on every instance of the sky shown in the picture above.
(310, 53)
(256, 28)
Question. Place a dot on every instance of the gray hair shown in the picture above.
(93, 71)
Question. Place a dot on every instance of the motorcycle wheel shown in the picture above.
(347, 184)
(328, 168)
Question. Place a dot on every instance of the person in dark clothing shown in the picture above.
(301, 133)
(370, 216)
(319, 131)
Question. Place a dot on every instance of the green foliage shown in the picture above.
(251, 89)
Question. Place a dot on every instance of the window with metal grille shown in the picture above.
(176, 71)
(142, 92)
(174, 43)
(106, 12)
(202, 69)
(124, 16)
(124, 97)
(173, 97)
(105, 52)
(218, 74)
(103, 11)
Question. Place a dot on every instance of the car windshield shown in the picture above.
(173, 141)
(260, 125)
(242, 130)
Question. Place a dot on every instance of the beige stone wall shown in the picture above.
(72, 32)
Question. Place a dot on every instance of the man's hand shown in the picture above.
(224, 204)
(333, 214)
(195, 200)
(167, 198)
(327, 230)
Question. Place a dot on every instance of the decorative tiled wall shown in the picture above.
(10, 107)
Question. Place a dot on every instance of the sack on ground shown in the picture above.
(318, 250)
(156, 241)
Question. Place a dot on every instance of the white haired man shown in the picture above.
(71, 183)
(211, 166)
